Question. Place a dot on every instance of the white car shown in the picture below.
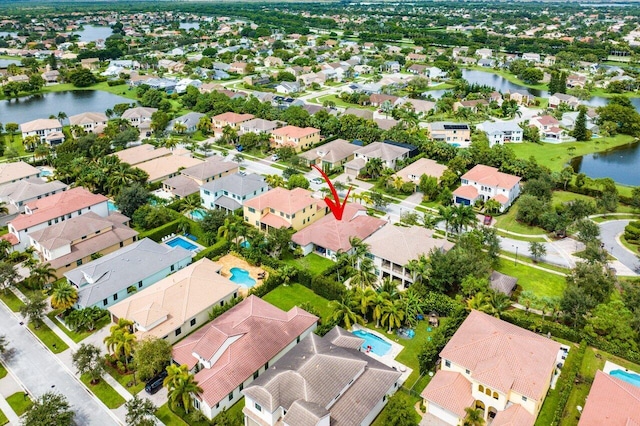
(275, 157)
(317, 181)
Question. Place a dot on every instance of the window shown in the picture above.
(173, 268)
(272, 210)
(115, 297)
(231, 396)
(78, 262)
(467, 371)
(217, 405)
(252, 210)
(241, 386)
(222, 303)
(105, 302)
(487, 391)
(178, 331)
(193, 322)
(447, 363)
(266, 366)
(139, 284)
(121, 243)
(255, 375)
(495, 395)
(257, 406)
(480, 388)
(206, 192)
(524, 398)
(298, 339)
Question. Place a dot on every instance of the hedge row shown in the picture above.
(219, 248)
(156, 234)
(632, 231)
(594, 192)
(567, 384)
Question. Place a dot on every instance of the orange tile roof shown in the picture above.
(284, 200)
(467, 192)
(503, 356)
(516, 415)
(275, 221)
(490, 176)
(294, 132)
(232, 117)
(258, 332)
(449, 390)
(57, 205)
(611, 402)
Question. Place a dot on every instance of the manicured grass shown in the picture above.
(3, 371)
(3, 419)
(560, 197)
(74, 335)
(382, 420)
(125, 379)
(11, 300)
(630, 216)
(314, 263)
(508, 222)
(510, 257)
(49, 338)
(19, 403)
(286, 297)
(556, 156)
(541, 283)
(519, 238)
(121, 90)
(633, 247)
(104, 391)
(168, 417)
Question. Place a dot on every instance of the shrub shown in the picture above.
(219, 248)
(158, 233)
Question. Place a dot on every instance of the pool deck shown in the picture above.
(199, 247)
(229, 261)
(610, 366)
(390, 358)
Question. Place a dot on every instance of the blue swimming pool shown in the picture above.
(197, 214)
(241, 276)
(627, 376)
(181, 242)
(373, 343)
(45, 173)
(112, 206)
(245, 244)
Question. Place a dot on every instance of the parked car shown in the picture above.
(239, 148)
(317, 180)
(487, 220)
(155, 384)
(275, 157)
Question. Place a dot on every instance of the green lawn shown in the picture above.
(11, 300)
(3, 419)
(519, 238)
(314, 263)
(382, 420)
(630, 216)
(508, 222)
(125, 380)
(3, 371)
(121, 90)
(556, 156)
(49, 338)
(286, 297)
(104, 391)
(77, 336)
(19, 403)
(169, 418)
(560, 197)
(541, 283)
(510, 257)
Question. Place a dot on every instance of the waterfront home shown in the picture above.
(48, 130)
(612, 402)
(502, 132)
(139, 117)
(90, 122)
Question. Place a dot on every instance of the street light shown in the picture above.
(515, 261)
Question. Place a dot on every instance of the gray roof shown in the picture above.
(312, 374)
(500, 126)
(383, 151)
(236, 184)
(503, 283)
(29, 188)
(109, 274)
(227, 203)
(209, 168)
(190, 120)
(181, 185)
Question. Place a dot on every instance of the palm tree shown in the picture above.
(34, 310)
(274, 181)
(204, 125)
(392, 315)
(412, 306)
(63, 296)
(363, 274)
(180, 385)
(497, 303)
(379, 304)
(386, 107)
(390, 287)
(363, 299)
(343, 313)
(477, 302)
(42, 275)
(492, 206)
(41, 152)
(463, 216)
(446, 214)
(374, 167)
(473, 417)
(62, 116)
(3, 208)
(179, 127)
(419, 269)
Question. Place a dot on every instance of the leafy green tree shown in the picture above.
(88, 359)
(151, 356)
(612, 322)
(85, 319)
(588, 285)
(82, 77)
(180, 385)
(49, 409)
(587, 231)
(159, 122)
(399, 412)
(131, 198)
(140, 412)
(537, 250)
(531, 75)
(34, 310)
(580, 131)
(298, 181)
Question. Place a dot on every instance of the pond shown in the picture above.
(620, 164)
(6, 62)
(42, 106)
(189, 25)
(92, 33)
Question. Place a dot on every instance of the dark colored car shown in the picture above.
(487, 220)
(155, 384)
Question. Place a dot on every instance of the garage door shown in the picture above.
(462, 201)
(350, 172)
(444, 415)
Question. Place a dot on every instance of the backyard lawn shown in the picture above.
(313, 263)
(168, 417)
(286, 297)
(541, 283)
(104, 391)
(19, 403)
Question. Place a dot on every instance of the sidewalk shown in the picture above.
(8, 411)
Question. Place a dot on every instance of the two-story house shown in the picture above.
(230, 192)
(54, 209)
(388, 153)
(392, 247)
(484, 183)
(90, 122)
(284, 208)
(558, 99)
(115, 276)
(139, 117)
(330, 156)
(142, 153)
(231, 119)
(495, 367)
(295, 137)
(14, 172)
(49, 130)
(237, 347)
(502, 132)
(352, 389)
(166, 167)
(190, 179)
(76, 241)
(549, 129)
(258, 126)
(16, 195)
(456, 134)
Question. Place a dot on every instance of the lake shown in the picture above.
(92, 33)
(42, 106)
(6, 62)
(189, 25)
(620, 164)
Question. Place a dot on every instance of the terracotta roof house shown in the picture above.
(235, 348)
(56, 208)
(388, 153)
(392, 247)
(190, 179)
(238, 67)
(284, 208)
(328, 236)
(611, 402)
(231, 119)
(49, 130)
(484, 183)
(14, 172)
(456, 134)
(424, 166)
(493, 366)
(331, 155)
(230, 192)
(550, 130)
(321, 381)
(165, 167)
(91, 122)
(377, 99)
(296, 137)
(16, 195)
(115, 276)
(141, 153)
(178, 304)
(75, 241)
(139, 117)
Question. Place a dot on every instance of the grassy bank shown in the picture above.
(19, 403)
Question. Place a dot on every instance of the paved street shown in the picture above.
(40, 371)
(608, 232)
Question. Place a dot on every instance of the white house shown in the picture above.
(484, 183)
(501, 132)
(90, 122)
(49, 130)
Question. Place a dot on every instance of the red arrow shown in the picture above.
(336, 208)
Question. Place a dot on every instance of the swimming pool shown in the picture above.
(376, 344)
(245, 244)
(111, 206)
(45, 173)
(241, 276)
(181, 242)
(197, 214)
(627, 376)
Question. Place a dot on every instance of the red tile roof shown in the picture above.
(611, 402)
(490, 176)
(57, 205)
(254, 330)
(232, 117)
(274, 221)
(449, 390)
(284, 200)
(547, 120)
(11, 238)
(294, 132)
(467, 192)
(516, 415)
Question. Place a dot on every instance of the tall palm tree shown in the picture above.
(180, 385)
(62, 116)
(374, 167)
(390, 287)
(473, 417)
(447, 215)
(497, 303)
(363, 299)
(343, 313)
(363, 274)
(463, 216)
(379, 304)
(274, 181)
(419, 269)
(179, 127)
(412, 306)
(392, 315)
(63, 296)
(42, 275)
